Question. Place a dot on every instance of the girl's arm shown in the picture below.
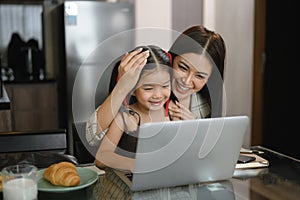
(106, 156)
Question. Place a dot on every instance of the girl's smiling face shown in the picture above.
(153, 89)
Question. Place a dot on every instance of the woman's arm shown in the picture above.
(129, 71)
(106, 156)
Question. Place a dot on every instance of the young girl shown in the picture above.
(145, 103)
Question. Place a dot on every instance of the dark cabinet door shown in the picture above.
(280, 106)
(33, 106)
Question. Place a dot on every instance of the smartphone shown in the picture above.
(245, 159)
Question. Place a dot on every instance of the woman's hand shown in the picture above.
(180, 112)
(131, 66)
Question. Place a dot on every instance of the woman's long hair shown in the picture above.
(200, 40)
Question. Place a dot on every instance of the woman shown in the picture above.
(198, 57)
(198, 64)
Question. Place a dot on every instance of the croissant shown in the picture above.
(62, 174)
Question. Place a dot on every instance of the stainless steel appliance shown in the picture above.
(96, 33)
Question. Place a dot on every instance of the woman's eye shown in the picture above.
(202, 77)
(182, 67)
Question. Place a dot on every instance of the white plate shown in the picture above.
(87, 178)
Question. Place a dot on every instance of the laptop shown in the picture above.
(186, 152)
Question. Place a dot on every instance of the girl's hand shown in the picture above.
(180, 112)
(131, 66)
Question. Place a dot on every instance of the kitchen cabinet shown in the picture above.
(5, 122)
(33, 105)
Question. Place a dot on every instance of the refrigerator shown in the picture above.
(96, 35)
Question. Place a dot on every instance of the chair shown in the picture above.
(41, 148)
(82, 150)
(55, 141)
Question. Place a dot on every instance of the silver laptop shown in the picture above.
(186, 152)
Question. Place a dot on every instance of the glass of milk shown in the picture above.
(19, 182)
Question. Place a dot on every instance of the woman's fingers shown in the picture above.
(128, 56)
(128, 74)
(132, 60)
(140, 66)
(137, 60)
(181, 112)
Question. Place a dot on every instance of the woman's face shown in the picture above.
(191, 72)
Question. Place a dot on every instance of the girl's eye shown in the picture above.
(166, 86)
(147, 88)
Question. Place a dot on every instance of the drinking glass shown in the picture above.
(20, 182)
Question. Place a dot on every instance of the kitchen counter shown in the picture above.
(278, 181)
(29, 81)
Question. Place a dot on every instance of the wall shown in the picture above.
(234, 20)
(153, 20)
(171, 16)
(186, 13)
